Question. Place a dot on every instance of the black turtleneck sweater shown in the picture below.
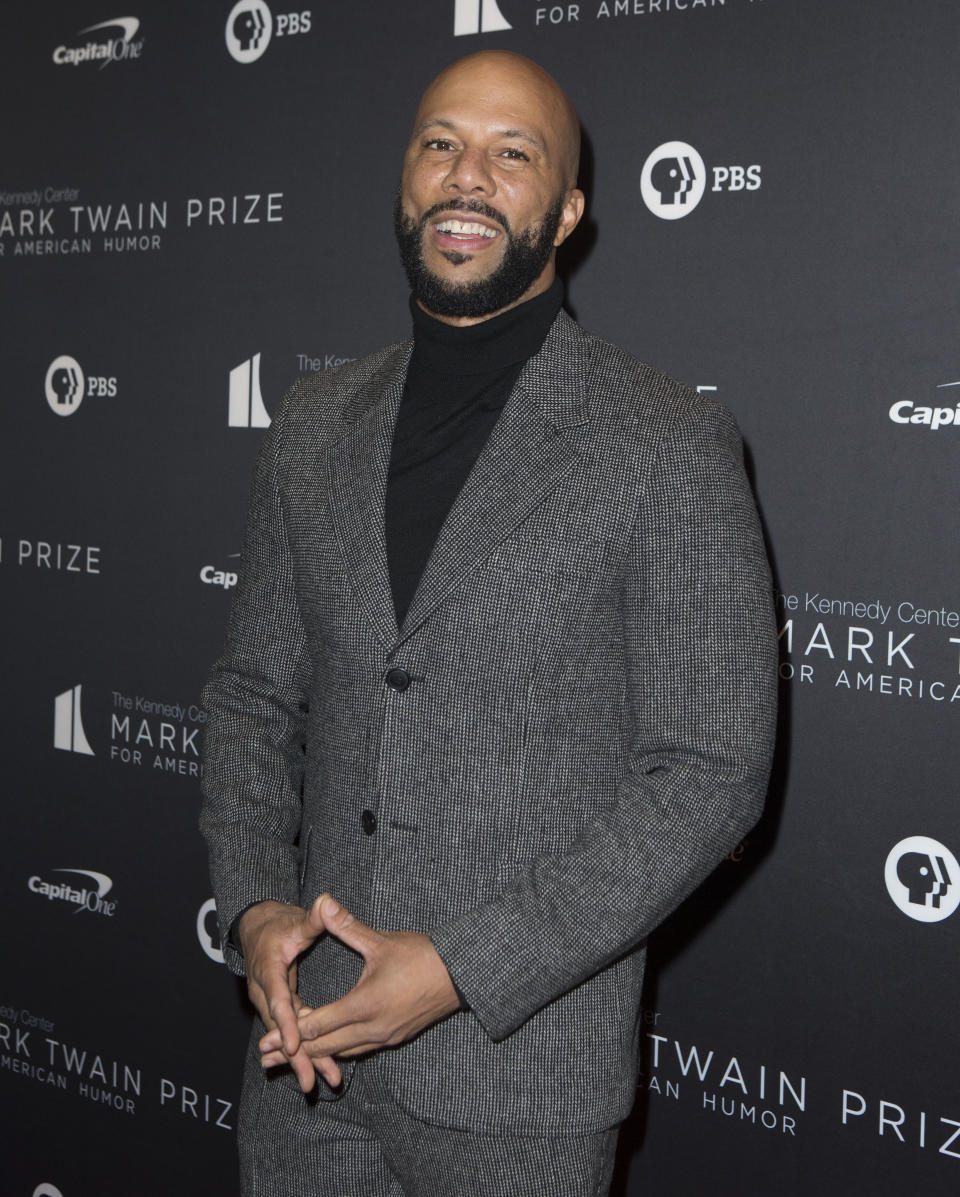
(457, 384)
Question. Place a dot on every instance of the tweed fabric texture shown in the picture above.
(365, 1145)
(587, 733)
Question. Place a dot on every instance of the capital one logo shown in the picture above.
(905, 411)
(64, 385)
(923, 879)
(478, 16)
(246, 408)
(114, 49)
(209, 939)
(673, 180)
(85, 899)
(211, 576)
(249, 29)
(68, 733)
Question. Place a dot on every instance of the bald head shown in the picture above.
(499, 77)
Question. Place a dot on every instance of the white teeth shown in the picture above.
(465, 228)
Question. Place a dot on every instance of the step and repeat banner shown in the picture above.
(195, 208)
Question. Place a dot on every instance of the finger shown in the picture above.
(330, 1071)
(345, 927)
(362, 1050)
(271, 1042)
(300, 1006)
(351, 1040)
(350, 1010)
(302, 1066)
(279, 999)
(259, 1000)
(323, 1064)
(274, 1038)
(314, 918)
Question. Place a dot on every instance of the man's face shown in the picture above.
(483, 199)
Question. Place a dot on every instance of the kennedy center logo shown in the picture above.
(673, 180)
(478, 16)
(923, 879)
(246, 408)
(68, 733)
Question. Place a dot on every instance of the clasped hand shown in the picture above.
(404, 987)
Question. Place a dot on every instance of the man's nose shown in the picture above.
(470, 174)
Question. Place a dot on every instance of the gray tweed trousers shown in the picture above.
(363, 1144)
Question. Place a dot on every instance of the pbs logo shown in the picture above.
(208, 931)
(65, 385)
(251, 26)
(923, 879)
(249, 30)
(673, 180)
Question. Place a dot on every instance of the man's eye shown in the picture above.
(437, 143)
(515, 153)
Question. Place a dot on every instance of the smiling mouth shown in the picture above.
(465, 229)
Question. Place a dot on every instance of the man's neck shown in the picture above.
(487, 346)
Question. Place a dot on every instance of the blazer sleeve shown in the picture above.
(700, 696)
(256, 701)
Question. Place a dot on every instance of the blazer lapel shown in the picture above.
(357, 468)
(531, 448)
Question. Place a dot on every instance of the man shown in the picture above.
(498, 687)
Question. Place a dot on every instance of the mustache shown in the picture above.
(477, 207)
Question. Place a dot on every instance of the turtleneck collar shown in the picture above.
(491, 345)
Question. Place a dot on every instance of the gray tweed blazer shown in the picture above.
(587, 733)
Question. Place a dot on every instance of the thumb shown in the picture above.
(344, 926)
(314, 919)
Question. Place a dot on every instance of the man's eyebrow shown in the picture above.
(431, 123)
(523, 134)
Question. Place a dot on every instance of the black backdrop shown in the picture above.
(182, 233)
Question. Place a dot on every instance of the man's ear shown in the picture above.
(573, 207)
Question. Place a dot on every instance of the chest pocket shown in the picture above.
(545, 559)
(537, 587)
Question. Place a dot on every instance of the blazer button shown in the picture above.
(398, 679)
(368, 821)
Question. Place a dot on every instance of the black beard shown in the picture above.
(523, 261)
